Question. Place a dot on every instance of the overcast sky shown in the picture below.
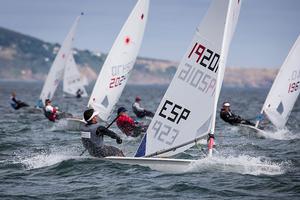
(265, 32)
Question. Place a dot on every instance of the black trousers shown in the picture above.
(102, 151)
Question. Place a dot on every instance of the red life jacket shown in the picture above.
(51, 115)
(126, 124)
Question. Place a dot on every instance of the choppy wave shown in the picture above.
(282, 134)
(46, 158)
(242, 164)
(34, 150)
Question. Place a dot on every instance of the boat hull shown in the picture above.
(159, 164)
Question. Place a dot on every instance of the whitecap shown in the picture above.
(242, 164)
(45, 159)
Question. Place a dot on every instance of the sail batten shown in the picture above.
(119, 62)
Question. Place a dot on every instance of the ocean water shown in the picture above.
(40, 160)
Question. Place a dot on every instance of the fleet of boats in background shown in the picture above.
(187, 112)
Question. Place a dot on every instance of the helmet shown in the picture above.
(89, 114)
(226, 104)
(138, 98)
(121, 109)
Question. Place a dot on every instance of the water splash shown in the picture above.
(67, 125)
(282, 134)
(46, 158)
(242, 164)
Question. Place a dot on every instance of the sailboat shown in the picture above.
(57, 69)
(73, 81)
(284, 91)
(118, 64)
(187, 111)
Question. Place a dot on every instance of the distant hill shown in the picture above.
(23, 57)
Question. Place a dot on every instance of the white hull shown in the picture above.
(258, 132)
(159, 164)
(185, 165)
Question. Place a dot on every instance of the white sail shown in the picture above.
(56, 71)
(119, 62)
(285, 89)
(232, 19)
(187, 108)
(72, 78)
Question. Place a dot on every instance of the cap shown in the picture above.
(121, 109)
(138, 98)
(226, 104)
(89, 114)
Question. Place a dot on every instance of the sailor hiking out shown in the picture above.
(231, 118)
(128, 126)
(52, 113)
(15, 103)
(92, 137)
(139, 111)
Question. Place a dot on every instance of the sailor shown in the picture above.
(15, 103)
(127, 125)
(93, 135)
(79, 92)
(50, 112)
(231, 118)
(138, 110)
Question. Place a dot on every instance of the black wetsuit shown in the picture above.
(92, 140)
(17, 104)
(79, 93)
(233, 119)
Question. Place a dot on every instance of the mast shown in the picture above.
(220, 77)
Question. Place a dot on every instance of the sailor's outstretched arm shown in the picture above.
(101, 130)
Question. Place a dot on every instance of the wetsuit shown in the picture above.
(92, 139)
(233, 119)
(17, 104)
(79, 93)
(129, 127)
(51, 113)
(141, 112)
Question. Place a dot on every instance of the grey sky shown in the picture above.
(265, 32)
